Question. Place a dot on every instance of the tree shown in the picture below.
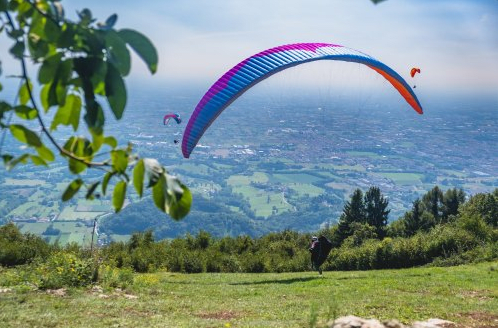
(376, 212)
(353, 211)
(432, 203)
(417, 220)
(484, 206)
(452, 199)
(79, 65)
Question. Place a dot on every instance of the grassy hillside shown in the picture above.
(467, 295)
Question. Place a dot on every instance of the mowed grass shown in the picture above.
(466, 295)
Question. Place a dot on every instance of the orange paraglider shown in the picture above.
(414, 71)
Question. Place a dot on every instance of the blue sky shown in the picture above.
(455, 42)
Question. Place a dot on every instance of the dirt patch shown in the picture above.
(479, 320)
(480, 295)
(219, 315)
(61, 292)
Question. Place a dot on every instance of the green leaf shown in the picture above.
(56, 10)
(115, 91)
(105, 181)
(37, 160)
(159, 193)
(72, 189)
(111, 20)
(67, 37)
(69, 114)
(25, 112)
(25, 135)
(45, 153)
(52, 30)
(97, 140)
(24, 96)
(4, 108)
(118, 196)
(111, 141)
(142, 46)
(181, 207)
(119, 160)
(48, 68)
(94, 117)
(91, 190)
(75, 166)
(48, 98)
(154, 171)
(7, 159)
(17, 50)
(3, 5)
(138, 177)
(12, 162)
(120, 56)
(85, 17)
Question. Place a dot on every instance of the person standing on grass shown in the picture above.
(319, 249)
(315, 254)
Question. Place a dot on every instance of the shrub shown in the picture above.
(17, 248)
(112, 277)
(64, 269)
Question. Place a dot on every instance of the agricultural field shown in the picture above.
(77, 232)
(403, 178)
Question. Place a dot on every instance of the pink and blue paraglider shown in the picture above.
(260, 66)
(174, 116)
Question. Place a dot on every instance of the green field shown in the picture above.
(466, 295)
(403, 178)
(70, 231)
(295, 178)
(70, 213)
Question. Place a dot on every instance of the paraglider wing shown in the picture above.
(414, 71)
(325, 248)
(264, 64)
(176, 117)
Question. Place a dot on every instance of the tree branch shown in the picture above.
(40, 120)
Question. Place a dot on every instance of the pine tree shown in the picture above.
(452, 200)
(433, 203)
(376, 212)
(415, 220)
(353, 211)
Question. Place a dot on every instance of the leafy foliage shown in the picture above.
(80, 63)
(17, 248)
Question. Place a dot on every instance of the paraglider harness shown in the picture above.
(319, 249)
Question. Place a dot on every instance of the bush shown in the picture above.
(17, 248)
(113, 277)
(63, 269)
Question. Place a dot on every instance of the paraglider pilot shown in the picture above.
(315, 254)
(319, 249)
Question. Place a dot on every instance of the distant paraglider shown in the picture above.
(174, 116)
(260, 66)
(414, 71)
